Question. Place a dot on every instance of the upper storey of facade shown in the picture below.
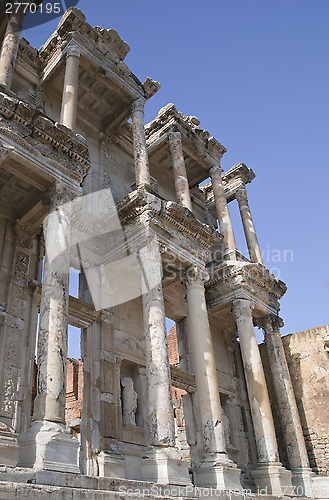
(73, 112)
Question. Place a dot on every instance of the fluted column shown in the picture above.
(290, 421)
(222, 210)
(140, 152)
(70, 90)
(179, 170)
(248, 226)
(217, 470)
(10, 45)
(41, 446)
(163, 461)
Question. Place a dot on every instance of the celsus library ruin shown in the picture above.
(140, 211)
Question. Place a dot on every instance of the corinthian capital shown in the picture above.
(241, 196)
(242, 307)
(137, 105)
(57, 195)
(216, 171)
(174, 137)
(195, 276)
(270, 324)
(73, 50)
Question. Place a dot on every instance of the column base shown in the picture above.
(302, 481)
(218, 472)
(111, 465)
(164, 465)
(273, 479)
(48, 446)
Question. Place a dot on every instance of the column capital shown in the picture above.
(195, 276)
(137, 105)
(58, 194)
(174, 137)
(270, 324)
(242, 307)
(73, 49)
(215, 170)
(241, 195)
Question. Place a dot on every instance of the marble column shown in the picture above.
(270, 474)
(179, 170)
(140, 151)
(10, 45)
(163, 462)
(47, 444)
(248, 226)
(216, 469)
(222, 210)
(290, 421)
(70, 90)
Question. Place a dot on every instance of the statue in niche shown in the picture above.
(129, 401)
(227, 429)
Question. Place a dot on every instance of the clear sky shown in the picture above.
(256, 74)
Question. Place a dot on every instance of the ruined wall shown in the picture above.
(308, 362)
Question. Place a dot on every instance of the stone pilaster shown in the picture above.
(222, 210)
(179, 170)
(216, 470)
(10, 46)
(163, 462)
(18, 330)
(70, 90)
(140, 152)
(47, 444)
(290, 421)
(270, 474)
(248, 226)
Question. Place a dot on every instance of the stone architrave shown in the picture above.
(70, 90)
(140, 152)
(290, 421)
(47, 444)
(216, 469)
(10, 45)
(269, 474)
(248, 226)
(179, 170)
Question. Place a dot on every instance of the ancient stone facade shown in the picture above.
(135, 209)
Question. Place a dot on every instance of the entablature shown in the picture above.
(242, 280)
(46, 150)
(201, 151)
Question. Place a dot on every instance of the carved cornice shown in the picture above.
(247, 281)
(169, 213)
(169, 119)
(38, 126)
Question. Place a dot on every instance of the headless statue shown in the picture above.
(129, 401)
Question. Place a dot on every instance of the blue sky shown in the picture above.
(256, 73)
